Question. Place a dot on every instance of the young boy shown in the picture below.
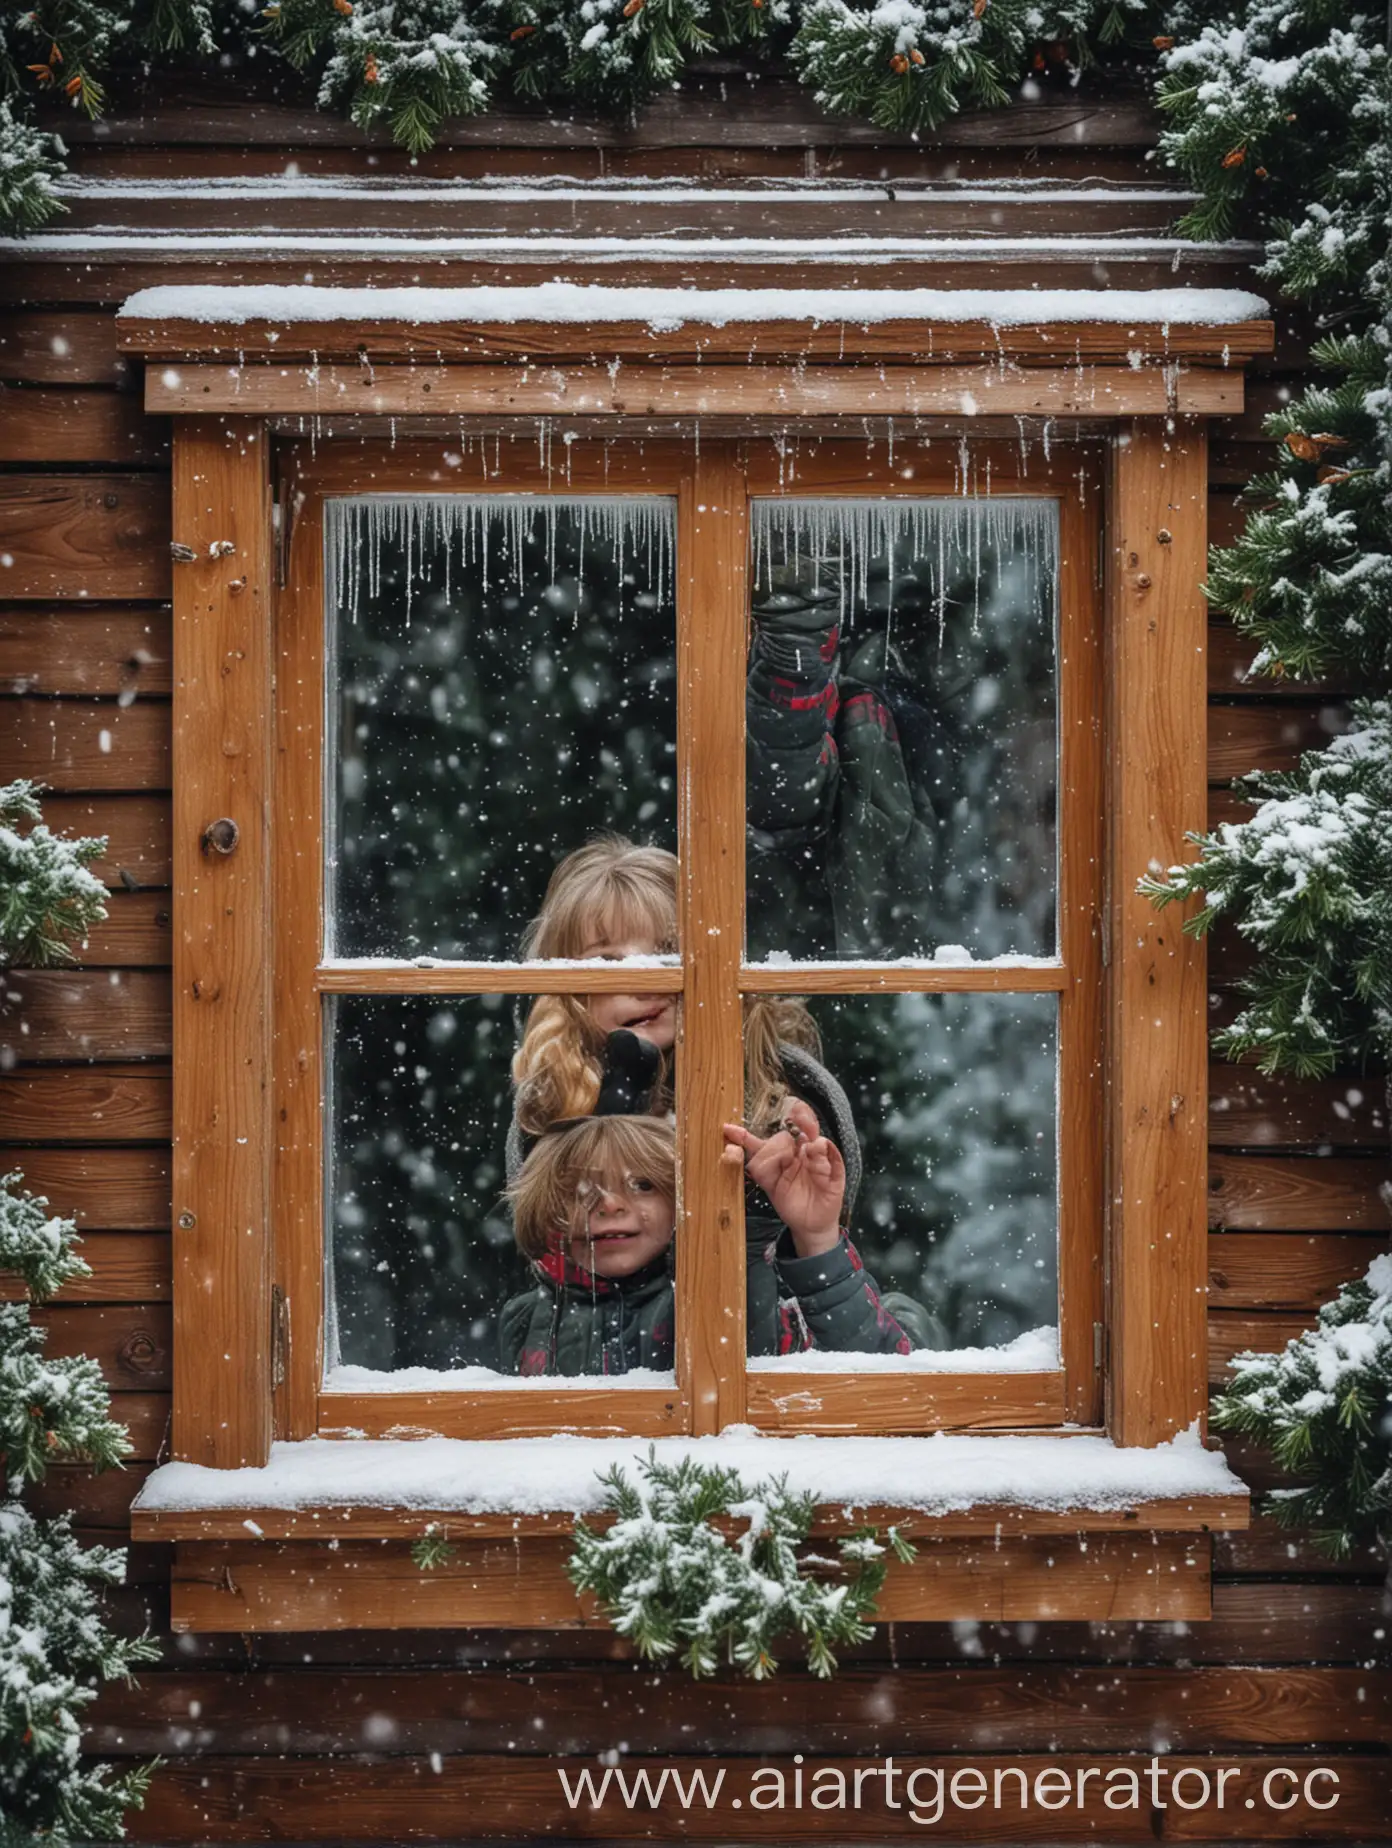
(594, 1209)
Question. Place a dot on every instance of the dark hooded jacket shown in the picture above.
(573, 1323)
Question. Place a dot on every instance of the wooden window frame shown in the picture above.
(713, 484)
(237, 1101)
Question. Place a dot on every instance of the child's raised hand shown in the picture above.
(802, 1173)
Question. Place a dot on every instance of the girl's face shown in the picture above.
(627, 1224)
(653, 1017)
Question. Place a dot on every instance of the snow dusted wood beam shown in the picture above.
(755, 390)
(834, 340)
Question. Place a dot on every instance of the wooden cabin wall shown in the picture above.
(265, 1735)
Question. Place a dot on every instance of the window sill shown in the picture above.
(1008, 1527)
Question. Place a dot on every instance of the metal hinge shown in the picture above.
(1099, 1345)
(280, 1336)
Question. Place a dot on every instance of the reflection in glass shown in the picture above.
(435, 1279)
(501, 688)
(954, 1103)
(902, 729)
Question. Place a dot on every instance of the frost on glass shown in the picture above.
(953, 1097)
(902, 728)
(501, 688)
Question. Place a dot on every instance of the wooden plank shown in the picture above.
(137, 933)
(686, 391)
(85, 535)
(45, 425)
(1268, 1551)
(1249, 1110)
(1285, 1270)
(428, 976)
(712, 620)
(1158, 1091)
(253, 1585)
(1201, 1514)
(93, 1501)
(862, 978)
(1305, 1193)
(86, 744)
(222, 950)
(61, 347)
(113, 648)
(209, 1798)
(1271, 737)
(137, 831)
(525, 1412)
(1230, 1333)
(835, 1405)
(835, 341)
(127, 1267)
(304, 1711)
(115, 1189)
(97, 1103)
(131, 1342)
(96, 1014)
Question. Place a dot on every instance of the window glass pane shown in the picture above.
(424, 1258)
(501, 688)
(902, 729)
(955, 1215)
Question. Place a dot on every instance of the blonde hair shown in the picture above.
(612, 884)
(548, 1196)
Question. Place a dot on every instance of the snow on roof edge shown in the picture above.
(665, 309)
(937, 1475)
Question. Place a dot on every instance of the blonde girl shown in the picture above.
(613, 898)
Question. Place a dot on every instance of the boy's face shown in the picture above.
(628, 1223)
(652, 1017)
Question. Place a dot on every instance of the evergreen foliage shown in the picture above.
(47, 895)
(54, 1643)
(676, 1584)
(1308, 881)
(412, 65)
(1324, 1408)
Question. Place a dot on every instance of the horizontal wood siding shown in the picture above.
(331, 1736)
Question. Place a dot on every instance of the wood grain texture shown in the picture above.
(85, 1104)
(1296, 1194)
(1231, 1333)
(1248, 1110)
(1285, 1270)
(115, 1189)
(60, 347)
(137, 933)
(429, 977)
(48, 425)
(906, 1403)
(1157, 1050)
(130, 1342)
(113, 648)
(222, 952)
(832, 342)
(254, 1585)
(50, 1015)
(712, 620)
(85, 535)
(749, 390)
(127, 1267)
(137, 830)
(1268, 737)
(867, 978)
(86, 744)
(526, 1412)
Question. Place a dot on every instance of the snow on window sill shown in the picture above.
(560, 1476)
(487, 1379)
(1035, 1351)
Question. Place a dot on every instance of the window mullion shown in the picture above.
(712, 608)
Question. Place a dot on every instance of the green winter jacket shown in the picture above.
(571, 1323)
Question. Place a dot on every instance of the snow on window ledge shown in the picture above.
(664, 310)
(1034, 1351)
(488, 1379)
(560, 1475)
